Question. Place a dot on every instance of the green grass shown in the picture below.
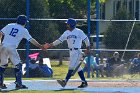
(60, 73)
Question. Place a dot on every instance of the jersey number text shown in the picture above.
(13, 32)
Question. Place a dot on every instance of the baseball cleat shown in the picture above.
(62, 82)
(83, 85)
(21, 86)
(3, 86)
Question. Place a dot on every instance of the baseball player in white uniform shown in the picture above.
(12, 34)
(74, 37)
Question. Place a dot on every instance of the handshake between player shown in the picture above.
(47, 45)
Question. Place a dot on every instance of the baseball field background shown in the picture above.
(111, 25)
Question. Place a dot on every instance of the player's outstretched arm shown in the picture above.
(47, 45)
(34, 42)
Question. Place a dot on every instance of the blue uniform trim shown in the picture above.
(85, 39)
(68, 75)
(2, 32)
(1, 75)
(81, 75)
(60, 40)
(18, 74)
(29, 39)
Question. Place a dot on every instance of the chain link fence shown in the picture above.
(44, 27)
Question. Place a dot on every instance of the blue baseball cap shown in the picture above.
(72, 22)
(22, 19)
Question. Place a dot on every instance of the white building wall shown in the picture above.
(110, 10)
(108, 15)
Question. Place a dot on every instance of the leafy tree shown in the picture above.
(72, 8)
(69, 8)
(40, 30)
(103, 1)
(117, 33)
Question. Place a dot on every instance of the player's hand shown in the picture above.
(42, 47)
(46, 45)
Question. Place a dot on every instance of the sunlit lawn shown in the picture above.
(60, 73)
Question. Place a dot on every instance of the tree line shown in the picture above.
(47, 31)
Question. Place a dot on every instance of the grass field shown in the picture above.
(60, 73)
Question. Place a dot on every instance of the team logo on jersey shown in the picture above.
(71, 36)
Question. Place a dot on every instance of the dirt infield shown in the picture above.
(114, 84)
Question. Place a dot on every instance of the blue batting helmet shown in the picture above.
(72, 22)
(22, 19)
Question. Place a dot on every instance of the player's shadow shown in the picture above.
(6, 91)
(65, 89)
